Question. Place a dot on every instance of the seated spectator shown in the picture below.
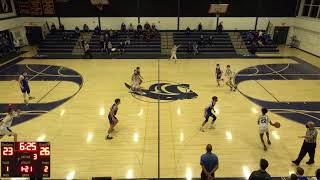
(107, 37)
(317, 175)
(123, 27)
(97, 30)
(53, 28)
(147, 26)
(200, 27)
(220, 27)
(261, 173)
(153, 28)
(147, 35)
(121, 47)
(127, 42)
(131, 27)
(139, 27)
(65, 36)
(86, 28)
(111, 33)
(61, 27)
(77, 31)
(188, 31)
(195, 48)
(210, 41)
(109, 47)
(300, 173)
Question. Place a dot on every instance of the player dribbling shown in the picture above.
(112, 118)
(263, 122)
(5, 124)
(208, 113)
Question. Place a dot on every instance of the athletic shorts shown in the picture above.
(218, 76)
(208, 114)
(25, 90)
(5, 131)
(263, 130)
(111, 120)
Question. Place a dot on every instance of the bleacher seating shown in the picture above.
(270, 47)
(221, 42)
(54, 43)
(137, 45)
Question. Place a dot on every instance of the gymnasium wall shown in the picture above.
(307, 31)
(12, 10)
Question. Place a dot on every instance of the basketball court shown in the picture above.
(158, 131)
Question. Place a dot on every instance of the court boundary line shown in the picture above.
(267, 91)
(275, 71)
(45, 95)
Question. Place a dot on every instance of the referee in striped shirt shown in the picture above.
(309, 144)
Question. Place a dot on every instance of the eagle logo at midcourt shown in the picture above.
(164, 91)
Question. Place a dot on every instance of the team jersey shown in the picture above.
(218, 71)
(229, 73)
(210, 107)
(264, 121)
(114, 107)
(24, 81)
(7, 121)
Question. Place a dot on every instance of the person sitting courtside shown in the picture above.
(261, 173)
(97, 30)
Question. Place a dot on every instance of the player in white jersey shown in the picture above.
(136, 81)
(263, 122)
(229, 78)
(174, 52)
(6, 122)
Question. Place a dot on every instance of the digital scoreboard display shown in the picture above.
(25, 159)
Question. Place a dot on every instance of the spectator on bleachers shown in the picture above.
(261, 173)
(200, 27)
(210, 41)
(109, 47)
(97, 30)
(123, 27)
(147, 35)
(209, 163)
(300, 173)
(154, 28)
(82, 42)
(139, 27)
(77, 31)
(61, 27)
(107, 37)
(53, 28)
(101, 40)
(188, 31)
(87, 50)
(254, 48)
(147, 26)
(293, 177)
(220, 27)
(195, 48)
(111, 33)
(317, 177)
(121, 47)
(86, 28)
(131, 27)
(128, 41)
(65, 36)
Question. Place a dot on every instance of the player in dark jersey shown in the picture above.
(208, 113)
(218, 74)
(112, 118)
(24, 86)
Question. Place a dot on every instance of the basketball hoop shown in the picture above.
(99, 3)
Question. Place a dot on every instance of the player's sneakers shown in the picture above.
(295, 162)
(269, 142)
(265, 148)
(108, 137)
(201, 129)
(310, 162)
(210, 127)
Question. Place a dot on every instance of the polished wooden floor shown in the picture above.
(76, 129)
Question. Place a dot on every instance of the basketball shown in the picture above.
(277, 125)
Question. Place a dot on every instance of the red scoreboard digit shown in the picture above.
(25, 159)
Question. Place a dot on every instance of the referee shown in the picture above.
(309, 144)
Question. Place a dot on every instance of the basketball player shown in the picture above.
(5, 124)
(174, 52)
(136, 81)
(139, 74)
(112, 118)
(218, 74)
(263, 123)
(229, 76)
(208, 113)
(24, 86)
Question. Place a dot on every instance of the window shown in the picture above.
(310, 8)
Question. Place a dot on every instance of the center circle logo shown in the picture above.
(165, 91)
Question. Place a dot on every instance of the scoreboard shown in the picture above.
(25, 159)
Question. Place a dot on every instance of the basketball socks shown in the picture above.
(25, 98)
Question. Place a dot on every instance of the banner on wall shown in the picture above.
(5, 6)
